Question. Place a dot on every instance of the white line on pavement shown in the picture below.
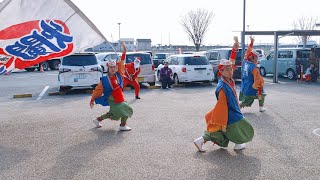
(42, 93)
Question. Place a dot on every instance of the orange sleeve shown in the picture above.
(217, 118)
(121, 66)
(258, 80)
(97, 92)
(233, 56)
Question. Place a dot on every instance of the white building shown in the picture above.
(143, 44)
(129, 43)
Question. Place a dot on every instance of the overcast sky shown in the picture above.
(160, 20)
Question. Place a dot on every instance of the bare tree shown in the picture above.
(305, 23)
(195, 24)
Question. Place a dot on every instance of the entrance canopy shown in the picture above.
(276, 35)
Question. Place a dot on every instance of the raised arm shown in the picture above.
(234, 51)
(248, 51)
(121, 66)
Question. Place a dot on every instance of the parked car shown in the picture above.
(287, 60)
(158, 58)
(215, 55)
(53, 64)
(103, 58)
(147, 68)
(188, 68)
(79, 70)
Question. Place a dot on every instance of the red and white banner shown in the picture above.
(33, 31)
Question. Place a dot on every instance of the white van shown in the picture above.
(146, 74)
(289, 60)
(79, 70)
(188, 68)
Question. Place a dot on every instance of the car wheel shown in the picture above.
(290, 74)
(45, 66)
(54, 65)
(176, 79)
(152, 84)
(262, 71)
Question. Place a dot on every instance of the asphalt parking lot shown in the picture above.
(53, 137)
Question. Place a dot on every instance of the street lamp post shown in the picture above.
(243, 30)
(318, 25)
(119, 38)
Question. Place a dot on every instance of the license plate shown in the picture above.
(200, 71)
(140, 79)
(81, 76)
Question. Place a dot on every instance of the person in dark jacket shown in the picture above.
(165, 76)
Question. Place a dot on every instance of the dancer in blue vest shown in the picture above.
(252, 82)
(225, 122)
(109, 92)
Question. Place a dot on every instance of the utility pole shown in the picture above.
(119, 38)
(243, 46)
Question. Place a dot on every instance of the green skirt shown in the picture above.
(247, 101)
(119, 110)
(239, 132)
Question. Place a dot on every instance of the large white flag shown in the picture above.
(33, 31)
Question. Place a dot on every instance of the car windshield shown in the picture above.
(145, 58)
(100, 56)
(79, 60)
(196, 60)
(159, 56)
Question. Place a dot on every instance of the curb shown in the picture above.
(153, 87)
(22, 95)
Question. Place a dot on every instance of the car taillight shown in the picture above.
(184, 69)
(152, 67)
(64, 70)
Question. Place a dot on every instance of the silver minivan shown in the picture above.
(289, 60)
(215, 55)
(147, 74)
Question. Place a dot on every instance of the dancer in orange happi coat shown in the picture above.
(131, 73)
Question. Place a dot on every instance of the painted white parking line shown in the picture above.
(316, 132)
(42, 93)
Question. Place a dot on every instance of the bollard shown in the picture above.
(301, 72)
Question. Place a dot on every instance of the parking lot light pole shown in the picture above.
(243, 30)
(119, 38)
(318, 25)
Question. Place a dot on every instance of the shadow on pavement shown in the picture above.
(70, 162)
(229, 166)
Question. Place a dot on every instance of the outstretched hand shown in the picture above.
(123, 45)
(236, 44)
(91, 104)
(252, 39)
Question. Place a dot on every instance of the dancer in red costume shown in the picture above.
(131, 73)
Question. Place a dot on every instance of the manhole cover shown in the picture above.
(316, 132)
